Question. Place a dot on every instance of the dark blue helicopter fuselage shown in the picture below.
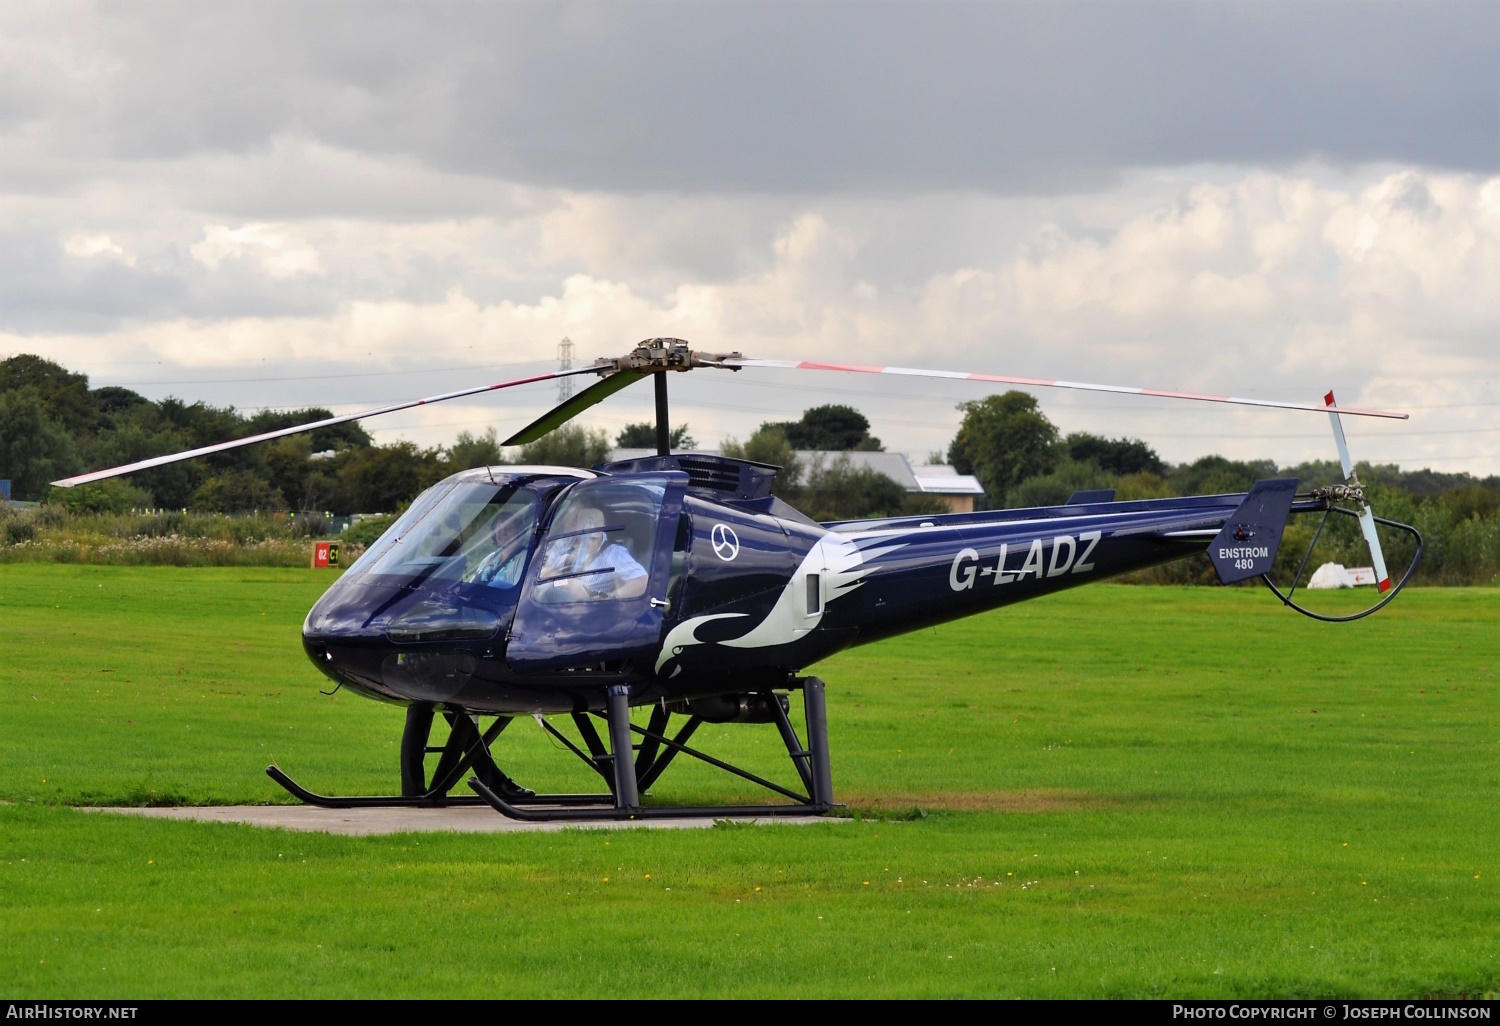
(710, 588)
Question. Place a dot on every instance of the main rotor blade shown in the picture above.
(566, 411)
(1004, 380)
(206, 450)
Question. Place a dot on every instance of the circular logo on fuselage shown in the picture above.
(726, 543)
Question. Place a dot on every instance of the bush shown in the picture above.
(112, 496)
(16, 527)
(367, 531)
(53, 534)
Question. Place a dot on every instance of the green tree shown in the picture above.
(831, 428)
(335, 438)
(1003, 440)
(381, 478)
(468, 452)
(838, 490)
(571, 445)
(64, 396)
(769, 445)
(643, 436)
(237, 491)
(1215, 475)
(140, 432)
(309, 485)
(1472, 501)
(34, 449)
(1114, 455)
(1058, 485)
(112, 399)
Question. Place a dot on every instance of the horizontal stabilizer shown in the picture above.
(1246, 546)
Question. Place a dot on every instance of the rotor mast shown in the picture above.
(663, 429)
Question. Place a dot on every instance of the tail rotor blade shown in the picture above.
(208, 450)
(1338, 438)
(1367, 526)
(1366, 515)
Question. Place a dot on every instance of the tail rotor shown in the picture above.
(1356, 493)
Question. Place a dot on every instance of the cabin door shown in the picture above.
(596, 589)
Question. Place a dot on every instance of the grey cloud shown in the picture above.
(45, 290)
(1012, 97)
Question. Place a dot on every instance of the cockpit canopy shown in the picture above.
(473, 528)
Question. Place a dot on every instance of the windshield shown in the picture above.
(477, 533)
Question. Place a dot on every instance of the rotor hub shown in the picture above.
(658, 355)
(1353, 493)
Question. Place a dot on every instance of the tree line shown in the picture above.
(53, 424)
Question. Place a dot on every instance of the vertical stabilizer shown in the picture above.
(1246, 545)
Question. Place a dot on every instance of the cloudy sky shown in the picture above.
(277, 205)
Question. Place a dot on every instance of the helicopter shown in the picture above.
(679, 582)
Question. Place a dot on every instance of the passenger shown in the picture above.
(583, 553)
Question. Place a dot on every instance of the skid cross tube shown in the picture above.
(646, 756)
(720, 764)
(793, 743)
(588, 760)
(656, 751)
(466, 748)
(660, 764)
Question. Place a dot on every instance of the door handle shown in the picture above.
(657, 603)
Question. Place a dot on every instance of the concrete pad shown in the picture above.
(362, 822)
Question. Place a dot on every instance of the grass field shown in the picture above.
(1118, 791)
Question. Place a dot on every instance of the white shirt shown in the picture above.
(617, 557)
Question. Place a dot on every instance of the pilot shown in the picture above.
(501, 568)
(586, 552)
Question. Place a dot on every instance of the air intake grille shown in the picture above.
(710, 474)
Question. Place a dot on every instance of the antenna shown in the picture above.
(565, 363)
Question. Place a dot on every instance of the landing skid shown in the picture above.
(505, 808)
(468, 751)
(396, 801)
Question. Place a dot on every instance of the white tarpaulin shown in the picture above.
(1331, 575)
(1335, 575)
